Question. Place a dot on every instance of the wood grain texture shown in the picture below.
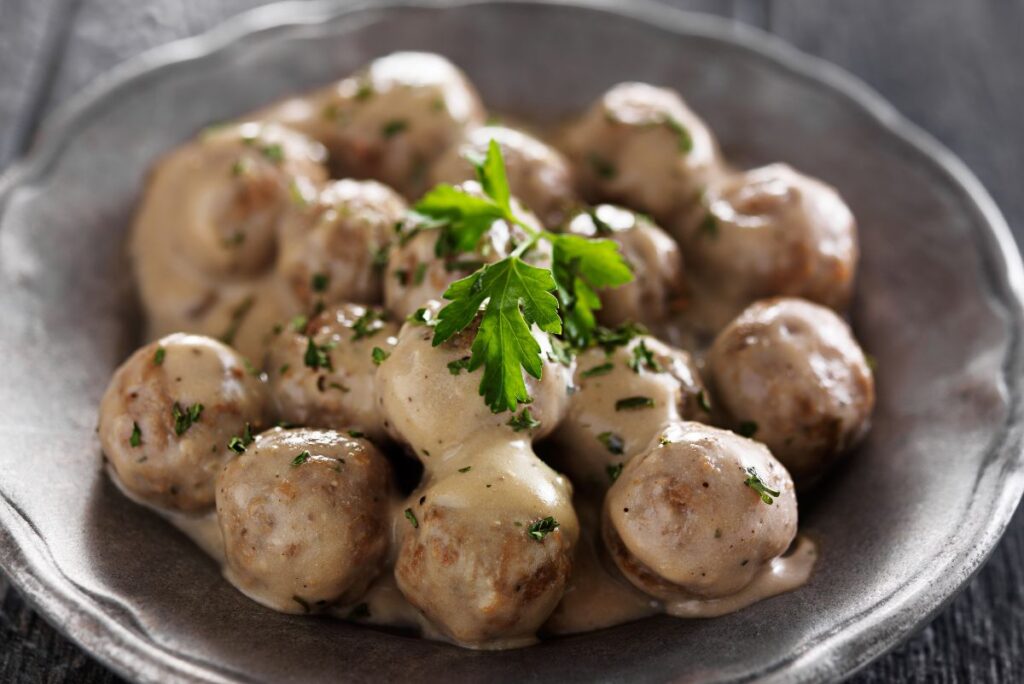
(951, 66)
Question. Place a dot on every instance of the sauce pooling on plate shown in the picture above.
(411, 370)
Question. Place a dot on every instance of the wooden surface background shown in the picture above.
(952, 66)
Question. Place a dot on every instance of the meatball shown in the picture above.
(653, 256)
(419, 271)
(537, 173)
(205, 235)
(488, 544)
(792, 371)
(169, 413)
(698, 513)
(334, 248)
(768, 232)
(624, 396)
(432, 401)
(304, 515)
(641, 146)
(322, 374)
(391, 120)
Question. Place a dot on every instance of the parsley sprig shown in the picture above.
(513, 294)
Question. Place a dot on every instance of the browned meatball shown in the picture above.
(699, 513)
(793, 374)
(333, 247)
(642, 147)
(624, 396)
(653, 257)
(169, 413)
(537, 173)
(322, 375)
(767, 232)
(304, 514)
(487, 545)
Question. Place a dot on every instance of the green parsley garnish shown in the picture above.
(238, 444)
(419, 273)
(299, 323)
(644, 358)
(560, 352)
(703, 401)
(418, 316)
(747, 428)
(367, 325)
(612, 442)
(682, 133)
(301, 458)
(136, 439)
(274, 152)
(379, 356)
(317, 355)
(459, 365)
(632, 403)
(708, 225)
(610, 339)
(393, 128)
(614, 471)
(159, 355)
(466, 469)
(319, 282)
(524, 421)
(411, 517)
(184, 418)
(356, 434)
(757, 484)
(238, 315)
(513, 294)
(542, 528)
(601, 369)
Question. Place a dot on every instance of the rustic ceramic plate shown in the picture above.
(901, 528)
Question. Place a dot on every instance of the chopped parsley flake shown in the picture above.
(747, 428)
(709, 225)
(158, 356)
(319, 282)
(644, 358)
(136, 439)
(184, 418)
(238, 444)
(524, 421)
(379, 356)
(542, 528)
(703, 401)
(466, 469)
(612, 442)
(317, 356)
(367, 325)
(614, 471)
(633, 403)
(560, 352)
(356, 433)
(418, 316)
(601, 369)
(456, 367)
(301, 458)
(610, 339)
(411, 517)
(393, 128)
(755, 482)
(274, 152)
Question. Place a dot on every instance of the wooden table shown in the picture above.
(954, 67)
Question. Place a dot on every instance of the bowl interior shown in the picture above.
(900, 526)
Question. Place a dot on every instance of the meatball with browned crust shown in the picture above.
(487, 545)
(763, 233)
(791, 372)
(304, 515)
(653, 257)
(321, 372)
(169, 413)
(625, 393)
(333, 247)
(699, 513)
(642, 147)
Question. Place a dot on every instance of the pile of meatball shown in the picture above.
(290, 296)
